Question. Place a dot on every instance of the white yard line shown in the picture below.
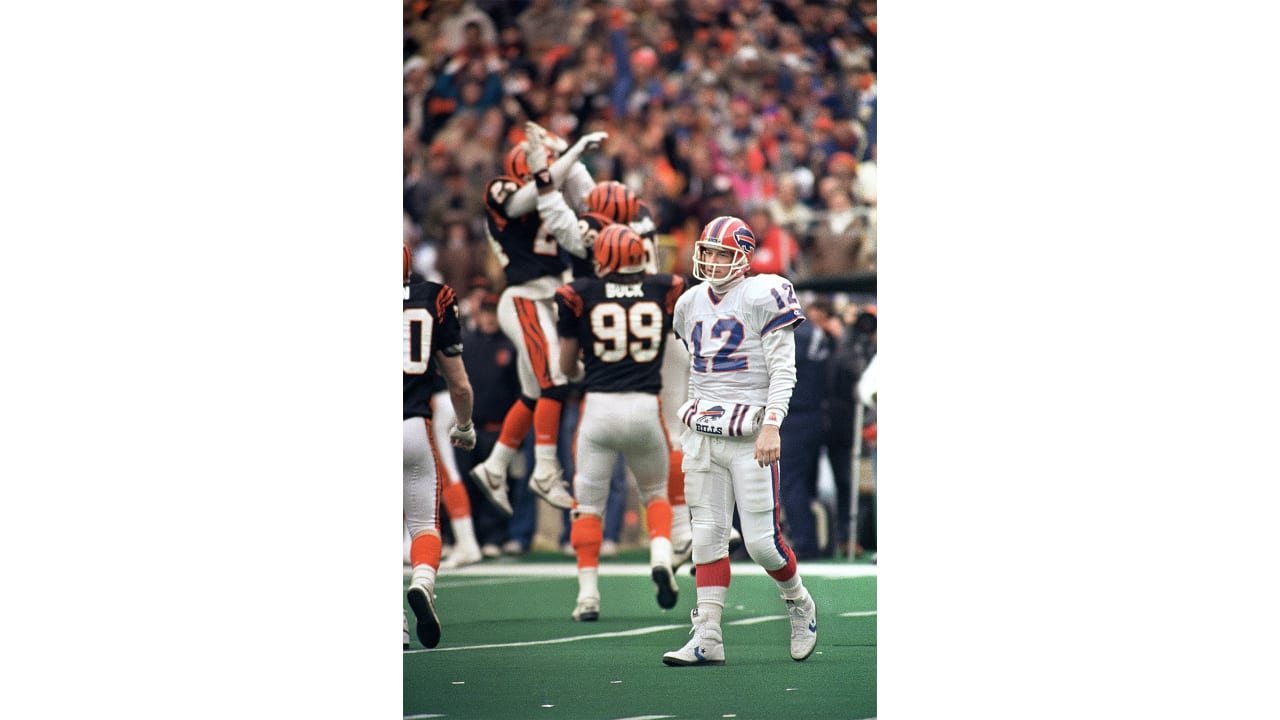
(556, 641)
(860, 613)
(570, 569)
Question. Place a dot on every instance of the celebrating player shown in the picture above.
(432, 343)
(738, 330)
(619, 320)
(528, 245)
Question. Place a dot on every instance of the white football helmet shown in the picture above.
(724, 233)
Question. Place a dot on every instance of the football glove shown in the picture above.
(550, 140)
(463, 437)
(590, 141)
(534, 155)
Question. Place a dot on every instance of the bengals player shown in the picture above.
(615, 201)
(619, 320)
(528, 223)
(432, 343)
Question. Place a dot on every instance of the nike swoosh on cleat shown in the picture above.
(813, 627)
(697, 652)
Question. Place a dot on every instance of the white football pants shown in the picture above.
(612, 423)
(719, 472)
(421, 486)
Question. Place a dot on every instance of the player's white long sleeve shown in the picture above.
(780, 357)
(576, 185)
(560, 221)
(525, 200)
(522, 201)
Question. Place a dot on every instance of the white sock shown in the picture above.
(464, 532)
(543, 454)
(588, 582)
(711, 602)
(424, 575)
(499, 459)
(660, 552)
(792, 589)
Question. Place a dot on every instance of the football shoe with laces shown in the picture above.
(668, 590)
(424, 610)
(804, 627)
(494, 487)
(587, 610)
(547, 482)
(706, 647)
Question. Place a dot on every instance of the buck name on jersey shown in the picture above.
(526, 250)
(622, 328)
(431, 324)
(724, 335)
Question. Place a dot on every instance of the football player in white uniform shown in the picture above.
(618, 322)
(432, 344)
(528, 224)
(738, 330)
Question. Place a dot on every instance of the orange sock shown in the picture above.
(546, 421)
(516, 424)
(456, 502)
(586, 534)
(658, 516)
(675, 479)
(425, 549)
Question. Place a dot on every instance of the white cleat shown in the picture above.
(804, 627)
(668, 590)
(548, 484)
(588, 610)
(706, 647)
(424, 609)
(494, 486)
(463, 554)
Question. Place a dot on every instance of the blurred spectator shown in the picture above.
(776, 251)
(547, 21)
(839, 235)
(787, 212)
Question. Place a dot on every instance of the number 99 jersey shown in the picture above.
(622, 328)
(430, 324)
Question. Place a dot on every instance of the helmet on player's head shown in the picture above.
(407, 263)
(615, 200)
(517, 165)
(590, 225)
(619, 249)
(724, 233)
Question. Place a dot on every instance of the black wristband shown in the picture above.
(542, 179)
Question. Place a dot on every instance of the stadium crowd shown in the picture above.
(760, 110)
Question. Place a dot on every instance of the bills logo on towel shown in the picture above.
(733, 421)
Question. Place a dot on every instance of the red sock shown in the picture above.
(546, 421)
(658, 517)
(516, 424)
(425, 549)
(585, 535)
(456, 501)
(713, 574)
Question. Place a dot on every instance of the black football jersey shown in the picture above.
(431, 324)
(589, 225)
(524, 248)
(622, 329)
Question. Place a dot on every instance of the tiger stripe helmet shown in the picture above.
(408, 262)
(614, 200)
(619, 249)
(724, 233)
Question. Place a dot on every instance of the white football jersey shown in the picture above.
(724, 336)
